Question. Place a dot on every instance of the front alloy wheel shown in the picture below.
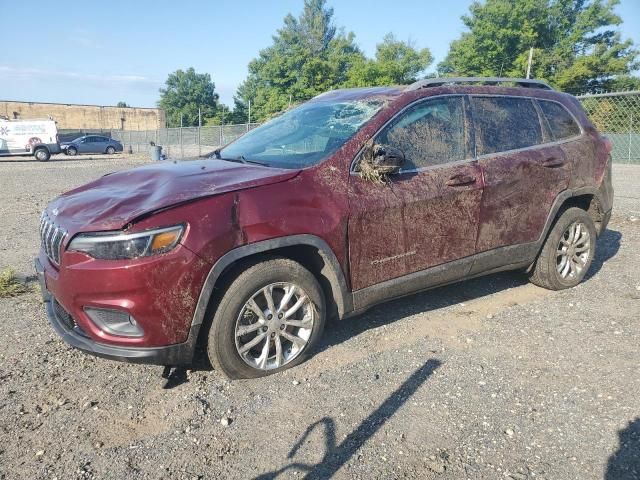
(268, 319)
(274, 326)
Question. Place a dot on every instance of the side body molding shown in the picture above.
(332, 271)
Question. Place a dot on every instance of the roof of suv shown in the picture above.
(468, 84)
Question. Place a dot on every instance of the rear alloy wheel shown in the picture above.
(567, 253)
(72, 151)
(111, 150)
(42, 154)
(268, 320)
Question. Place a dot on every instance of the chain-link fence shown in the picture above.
(617, 115)
(182, 142)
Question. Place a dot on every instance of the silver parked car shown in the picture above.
(92, 144)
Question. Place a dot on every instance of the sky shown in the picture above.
(106, 52)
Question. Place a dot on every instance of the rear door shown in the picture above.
(427, 214)
(95, 144)
(524, 170)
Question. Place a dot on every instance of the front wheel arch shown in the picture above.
(310, 251)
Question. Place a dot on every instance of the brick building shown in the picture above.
(86, 117)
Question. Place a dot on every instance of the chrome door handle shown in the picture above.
(553, 162)
(461, 180)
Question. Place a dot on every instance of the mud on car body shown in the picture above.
(249, 252)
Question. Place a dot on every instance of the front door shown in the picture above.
(427, 214)
(524, 170)
(84, 145)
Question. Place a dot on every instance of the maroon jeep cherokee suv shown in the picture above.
(353, 198)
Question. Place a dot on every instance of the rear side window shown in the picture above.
(505, 123)
(560, 121)
(429, 133)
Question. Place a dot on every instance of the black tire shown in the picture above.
(110, 151)
(221, 343)
(42, 154)
(72, 151)
(547, 270)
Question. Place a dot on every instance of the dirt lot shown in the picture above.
(490, 378)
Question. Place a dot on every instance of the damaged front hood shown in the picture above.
(116, 199)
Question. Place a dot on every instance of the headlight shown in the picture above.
(119, 245)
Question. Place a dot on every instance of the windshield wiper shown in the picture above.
(238, 159)
(241, 159)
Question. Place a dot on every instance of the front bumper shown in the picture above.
(72, 334)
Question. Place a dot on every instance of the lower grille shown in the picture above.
(51, 236)
(63, 316)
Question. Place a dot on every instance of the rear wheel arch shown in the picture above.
(586, 198)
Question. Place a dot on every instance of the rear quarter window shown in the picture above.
(561, 123)
(505, 123)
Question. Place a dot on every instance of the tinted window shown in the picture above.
(561, 122)
(505, 123)
(429, 133)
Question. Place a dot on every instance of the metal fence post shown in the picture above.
(630, 131)
(181, 147)
(220, 142)
(199, 142)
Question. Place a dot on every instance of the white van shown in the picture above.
(29, 137)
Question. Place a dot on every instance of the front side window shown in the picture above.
(505, 123)
(429, 133)
(305, 135)
(561, 123)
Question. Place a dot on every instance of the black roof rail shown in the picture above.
(440, 81)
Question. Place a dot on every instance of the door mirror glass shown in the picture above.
(387, 159)
(378, 161)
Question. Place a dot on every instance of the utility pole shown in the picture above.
(529, 62)
(289, 100)
(249, 119)
(199, 118)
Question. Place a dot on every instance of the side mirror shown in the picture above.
(386, 159)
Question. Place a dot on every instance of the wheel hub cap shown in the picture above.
(274, 326)
(573, 251)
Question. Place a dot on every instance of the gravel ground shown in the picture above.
(490, 378)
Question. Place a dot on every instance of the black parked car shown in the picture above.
(92, 144)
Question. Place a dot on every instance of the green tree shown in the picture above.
(184, 93)
(122, 105)
(576, 47)
(223, 116)
(240, 113)
(396, 63)
(308, 56)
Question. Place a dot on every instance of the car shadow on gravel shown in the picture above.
(424, 302)
(624, 464)
(607, 247)
(336, 455)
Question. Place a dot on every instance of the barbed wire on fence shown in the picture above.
(615, 114)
